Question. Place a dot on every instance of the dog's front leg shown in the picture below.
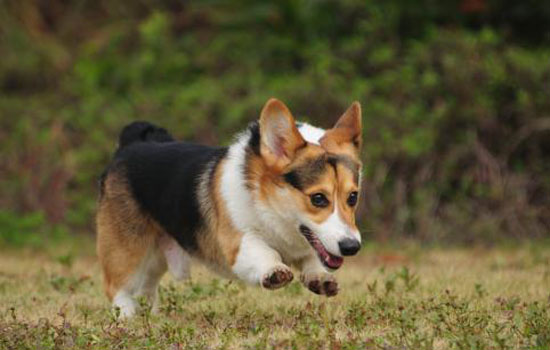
(316, 278)
(258, 263)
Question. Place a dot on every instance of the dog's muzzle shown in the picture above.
(329, 260)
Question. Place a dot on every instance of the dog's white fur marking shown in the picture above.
(143, 282)
(311, 133)
(334, 230)
(233, 189)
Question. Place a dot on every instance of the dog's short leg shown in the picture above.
(143, 283)
(316, 278)
(257, 263)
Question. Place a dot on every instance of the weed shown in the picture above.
(480, 290)
(409, 279)
(66, 260)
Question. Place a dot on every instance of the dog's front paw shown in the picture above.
(322, 284)
(277, 277)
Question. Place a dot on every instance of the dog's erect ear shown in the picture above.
(279, 137)
(346, 135)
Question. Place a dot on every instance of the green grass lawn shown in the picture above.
(389, 299)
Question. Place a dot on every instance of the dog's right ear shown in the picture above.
(279, 137)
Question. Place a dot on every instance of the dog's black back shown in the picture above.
(164, 176)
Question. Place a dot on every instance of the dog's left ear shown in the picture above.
(279, 137)
(346, 135)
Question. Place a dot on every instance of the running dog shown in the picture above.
(282, 194)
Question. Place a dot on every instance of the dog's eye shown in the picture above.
(319, 200)
(352, 199)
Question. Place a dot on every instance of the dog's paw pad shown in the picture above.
(330, 288)
(277, 278)
(325, 285)
(315, 286)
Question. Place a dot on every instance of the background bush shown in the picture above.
(455, 96)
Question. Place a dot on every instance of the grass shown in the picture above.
(406, 298)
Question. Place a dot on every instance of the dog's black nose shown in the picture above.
(349, 246)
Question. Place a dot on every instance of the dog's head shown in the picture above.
(313, 186)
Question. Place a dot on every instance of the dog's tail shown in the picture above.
(142, 132)
(132, 133)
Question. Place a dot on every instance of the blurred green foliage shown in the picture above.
(455, 96)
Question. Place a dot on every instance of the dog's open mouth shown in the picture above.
(329, 260)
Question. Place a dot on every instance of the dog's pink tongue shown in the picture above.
(330, 260)
(334, 262)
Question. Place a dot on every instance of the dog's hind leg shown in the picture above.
(128, 249)
(143, 283)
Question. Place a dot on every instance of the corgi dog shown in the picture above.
(282, 194)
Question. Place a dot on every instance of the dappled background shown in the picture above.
(455, 96)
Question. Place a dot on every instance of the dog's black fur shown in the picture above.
(163, 175)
